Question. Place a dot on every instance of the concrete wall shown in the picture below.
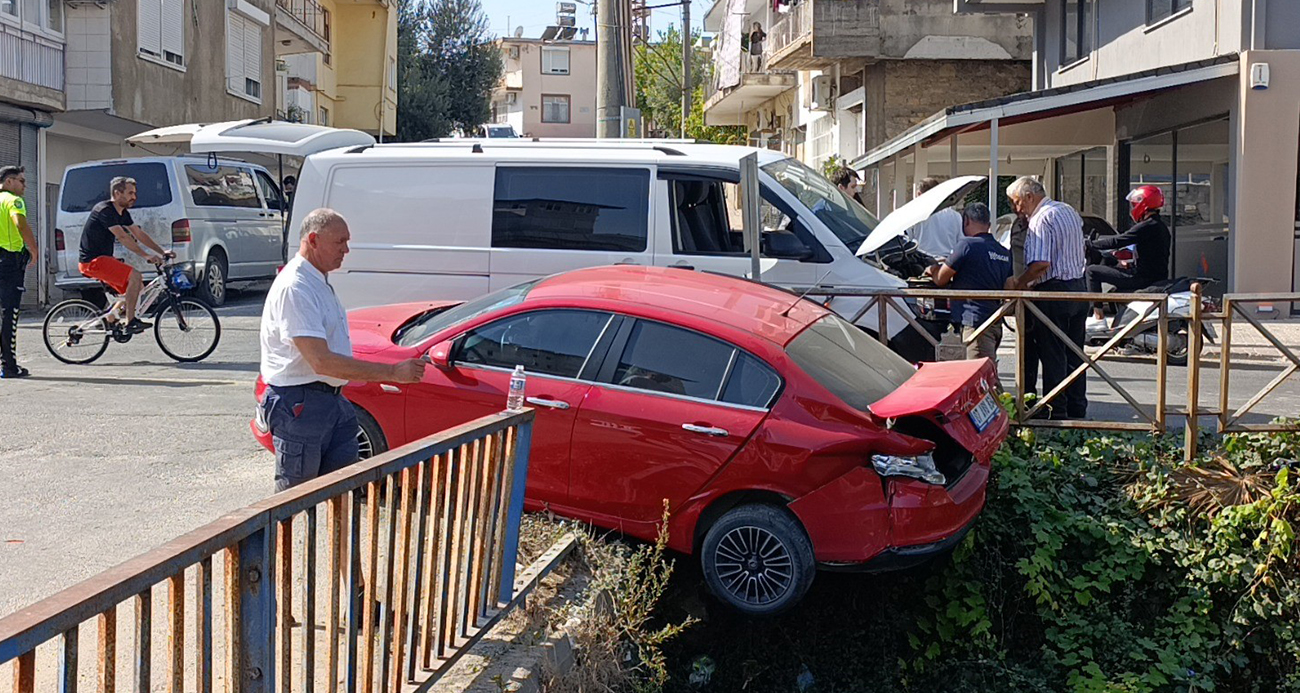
(154, 94)
(579, 85)
(89, 78)
(365, 38)
(916, 29)
(902, 93)
(1264, 191)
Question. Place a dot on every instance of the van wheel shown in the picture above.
(213, 287)
(757, 560)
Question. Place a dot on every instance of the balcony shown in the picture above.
(302, 26)
(755, 84)
(789, 41)
(513, 79)
(31, 68)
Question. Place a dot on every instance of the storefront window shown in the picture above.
(1081, 181)
(1190, 165)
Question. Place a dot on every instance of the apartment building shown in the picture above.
(1199, 97)
(548, 87)
(838, 77)
(343, 71)
(32, 52)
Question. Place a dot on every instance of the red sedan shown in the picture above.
(782, 437)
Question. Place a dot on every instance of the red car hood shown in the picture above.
(372, 328)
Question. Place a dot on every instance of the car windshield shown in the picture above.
(848, 220)
(431, 323)
(849, 362)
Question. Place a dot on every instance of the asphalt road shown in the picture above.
(102, 462)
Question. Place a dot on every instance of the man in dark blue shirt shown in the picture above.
(978, 263)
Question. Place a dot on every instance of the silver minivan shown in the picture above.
(222, 216)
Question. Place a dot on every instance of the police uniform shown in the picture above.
(14, 256)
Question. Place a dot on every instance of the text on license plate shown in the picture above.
(984, 412)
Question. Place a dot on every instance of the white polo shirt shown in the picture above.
(300, 304)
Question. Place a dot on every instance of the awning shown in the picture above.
(1048, 103)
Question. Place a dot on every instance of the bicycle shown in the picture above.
(77, 331)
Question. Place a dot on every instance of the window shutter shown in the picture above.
(173, 27)
(253, 56)
(234, 52)
(150, 27)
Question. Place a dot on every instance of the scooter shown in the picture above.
(1145, 339)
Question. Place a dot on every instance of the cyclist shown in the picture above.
(109, 220)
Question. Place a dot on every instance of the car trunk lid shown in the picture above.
(958, 396)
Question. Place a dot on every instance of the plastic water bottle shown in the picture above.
(515, 400)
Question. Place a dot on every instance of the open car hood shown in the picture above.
(260, 136)
(918, 210)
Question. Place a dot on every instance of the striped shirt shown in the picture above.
(1056, 237)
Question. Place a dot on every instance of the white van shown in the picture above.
(222, 216)
(459, 218)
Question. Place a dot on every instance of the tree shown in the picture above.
(658, 71)
(447, 68)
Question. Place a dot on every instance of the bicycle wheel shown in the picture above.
(187, 329)
(72, 332)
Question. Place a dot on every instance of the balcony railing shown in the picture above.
(309, 13)
(749, 65)
(795, 25)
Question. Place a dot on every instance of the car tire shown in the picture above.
(214, 284)
(757, 560)
(370, 437)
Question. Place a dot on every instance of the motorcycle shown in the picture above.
(1145, 339)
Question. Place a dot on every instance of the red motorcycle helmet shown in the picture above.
(1143, 199)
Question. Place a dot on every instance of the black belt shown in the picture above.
(318, 386)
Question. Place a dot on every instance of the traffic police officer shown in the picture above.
(17, 248)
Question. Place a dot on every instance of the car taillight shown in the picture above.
(181, 231)
(58, 239)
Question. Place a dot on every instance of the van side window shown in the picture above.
(223, 186)
(571, 208)
(707, 219)
(87, 186)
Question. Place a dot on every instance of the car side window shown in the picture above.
(655, 359)
(269, 191)
(751, 383)
(549, 342)
(223, 186)
(707, 220)
(602, 209)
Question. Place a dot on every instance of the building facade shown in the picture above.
(346, 76)
(548, 88)
(1199, 97)
(837, 77)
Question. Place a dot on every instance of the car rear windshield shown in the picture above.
(85, 187)
(848, 362)
(431, 323)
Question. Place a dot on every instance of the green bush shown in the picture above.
(1103, 563)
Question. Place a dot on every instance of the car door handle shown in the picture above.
(548, 403)
(706, 430)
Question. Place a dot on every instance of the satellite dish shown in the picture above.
(519, 32)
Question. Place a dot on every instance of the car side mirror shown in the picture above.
(785, 246)
(440, 355)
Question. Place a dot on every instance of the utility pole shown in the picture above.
(610, 94)
(687, 50)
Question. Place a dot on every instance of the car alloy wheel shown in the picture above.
(365, 448)
(757, 559)
(754, 566)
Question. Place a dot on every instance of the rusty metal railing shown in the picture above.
(420, 546)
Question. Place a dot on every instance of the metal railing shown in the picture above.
(421, 544)
(309, 13)
(794, 26)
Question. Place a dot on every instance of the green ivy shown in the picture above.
(1088, 571)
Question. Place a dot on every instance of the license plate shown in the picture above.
(984, 412)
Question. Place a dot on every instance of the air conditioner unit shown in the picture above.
(822, 93)
(512, 98)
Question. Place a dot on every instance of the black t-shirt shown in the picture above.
(96, 239)
(982, 264)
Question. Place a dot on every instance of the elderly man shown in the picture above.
(1054, 261)
(978, 263)
(307, 359)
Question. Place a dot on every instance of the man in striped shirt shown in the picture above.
(1054, 261)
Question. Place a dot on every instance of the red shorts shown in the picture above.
(109, 270)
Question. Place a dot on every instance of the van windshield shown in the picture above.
(848, 220)
(87, 186)
(432, 323)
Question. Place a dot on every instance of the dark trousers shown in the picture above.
(12, 268)
(314, 433)
(1122, 280)
(1059, 360)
